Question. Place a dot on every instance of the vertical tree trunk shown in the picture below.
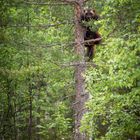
(30, 121)
(81, 96)
(30, 114)
(38, 108)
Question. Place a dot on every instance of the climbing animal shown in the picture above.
(87, 16)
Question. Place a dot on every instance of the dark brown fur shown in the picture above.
(89, 34)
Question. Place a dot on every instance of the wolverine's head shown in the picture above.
(89, 14)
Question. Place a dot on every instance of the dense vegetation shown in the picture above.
(37, 82)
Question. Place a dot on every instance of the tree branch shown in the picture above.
(79, 64)
(39, 3)
(70, 1)
(39, 26)
(92, 40)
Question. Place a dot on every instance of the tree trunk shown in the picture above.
(30, 114)
(81, 96)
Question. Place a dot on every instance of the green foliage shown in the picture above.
(114, 85)
(36, 89)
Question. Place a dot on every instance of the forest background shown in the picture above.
(37, 88)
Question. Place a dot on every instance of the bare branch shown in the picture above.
(70, 1)
(39, 3)
(65, 44)
(79, 64)
(92, 40)
(39, 26)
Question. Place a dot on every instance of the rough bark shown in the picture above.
(81, 96)
(30, 114)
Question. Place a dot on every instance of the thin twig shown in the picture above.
(70, 1)
(48, 3)
(39, 26)
(79, 64)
